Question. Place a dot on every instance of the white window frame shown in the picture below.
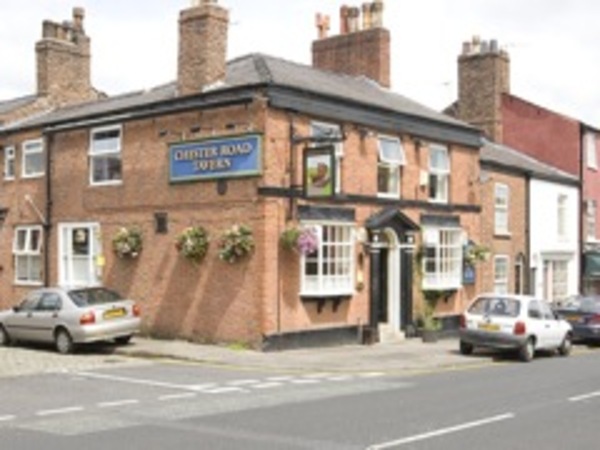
(68, 275)
(28, 254)
(103, 153)
(10, 157)
(590, 221)
(334, 131)
(33, 147)
(446, 244)
(440, 176)
(501, 277)
(591, 155)
(392, 166)
(333, 262)
(557, 279)
(561, 212)
(501, 209)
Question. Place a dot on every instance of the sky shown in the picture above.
(553, 44)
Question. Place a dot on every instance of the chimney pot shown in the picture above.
(377, 14)
(344, 20)
(366, 14)
(494, 46)
(78, 16)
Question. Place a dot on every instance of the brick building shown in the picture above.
(242, 143)
(485, 100)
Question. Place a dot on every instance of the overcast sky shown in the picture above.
(554, 45)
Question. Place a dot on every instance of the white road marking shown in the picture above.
(372, 375)
(165, 398)
(7, 418)
(268, 385)
(54, 412)
(580, 398)
(341, 378)
(225, 390)
(305, 381)
(281, 378)
(202, 387)
(442, 432)
(318, 375)
(242, 382)
(118, 403)
(100, 376)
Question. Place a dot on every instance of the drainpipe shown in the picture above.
(528, 288)
(48, 144)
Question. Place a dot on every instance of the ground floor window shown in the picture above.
(79, 246)
(501, 274)
(328, 271)
(27, 251)
(442, 258)
(556, 280)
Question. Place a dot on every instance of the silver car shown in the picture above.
(67, 317)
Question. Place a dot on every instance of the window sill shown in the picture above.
(33, 176)
(388, 196)
(28, 283)
(502, 235)
(438, 202)
(107, 183)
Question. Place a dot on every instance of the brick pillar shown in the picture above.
(63, 61)
(202, 46)
(483, 76)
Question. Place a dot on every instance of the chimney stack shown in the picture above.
(202, 59)
(63, 61)
(356, 51)
(483, 76)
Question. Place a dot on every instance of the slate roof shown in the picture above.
(258, 69)
(508, 157)
(10, 105)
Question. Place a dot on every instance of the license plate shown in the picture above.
(489, 327)
(114, 313)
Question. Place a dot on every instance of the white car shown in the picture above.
(513, 322)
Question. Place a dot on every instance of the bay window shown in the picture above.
(442, 258)
(329, 270)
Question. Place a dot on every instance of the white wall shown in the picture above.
(545, 242)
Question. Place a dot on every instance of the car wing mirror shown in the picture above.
(16, 309)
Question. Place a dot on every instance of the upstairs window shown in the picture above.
(501, 196)
(439, 173)
(590, 221)
(591, 156)
(562, 216)
(331, 131)
(9, 163)
(105, 156)
(391, 157)
(33, 159)
(27, 251)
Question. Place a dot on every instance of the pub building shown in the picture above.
(256, 200)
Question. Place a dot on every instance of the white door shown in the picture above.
(393, 282)
(79, 248)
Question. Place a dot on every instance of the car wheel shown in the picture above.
(566, 346)
(123, 340)
(466, 348)
(527, 352)
(64, 342)
(4, 337)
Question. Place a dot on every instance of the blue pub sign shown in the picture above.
(231, 157)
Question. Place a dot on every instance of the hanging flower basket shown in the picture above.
(304, 240)
(235, 243)
(192, 243)
(127, 242)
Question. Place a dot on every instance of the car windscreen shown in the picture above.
(91, 297)
(496, 306)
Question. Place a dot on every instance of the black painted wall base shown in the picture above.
(326, 337)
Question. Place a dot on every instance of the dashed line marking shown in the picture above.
(225, 390)
(318, 375)
(271, 384)
(202, 387)
(166, 398)
(55, 412)
(7, 418)
(243, 382)
(341, 378)
(118, 403)
(583, 397)
(281, 378)
(305, 381)
(372, 375)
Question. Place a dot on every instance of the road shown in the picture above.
(120, 403)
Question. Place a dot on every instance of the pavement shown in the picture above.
(407, 356)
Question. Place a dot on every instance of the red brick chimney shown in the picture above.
(483, 76)
(63, 61)
(202, 59)
(356, 51)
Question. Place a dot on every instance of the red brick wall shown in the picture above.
(543, 134)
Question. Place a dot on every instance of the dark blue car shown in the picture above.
(583, 313)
